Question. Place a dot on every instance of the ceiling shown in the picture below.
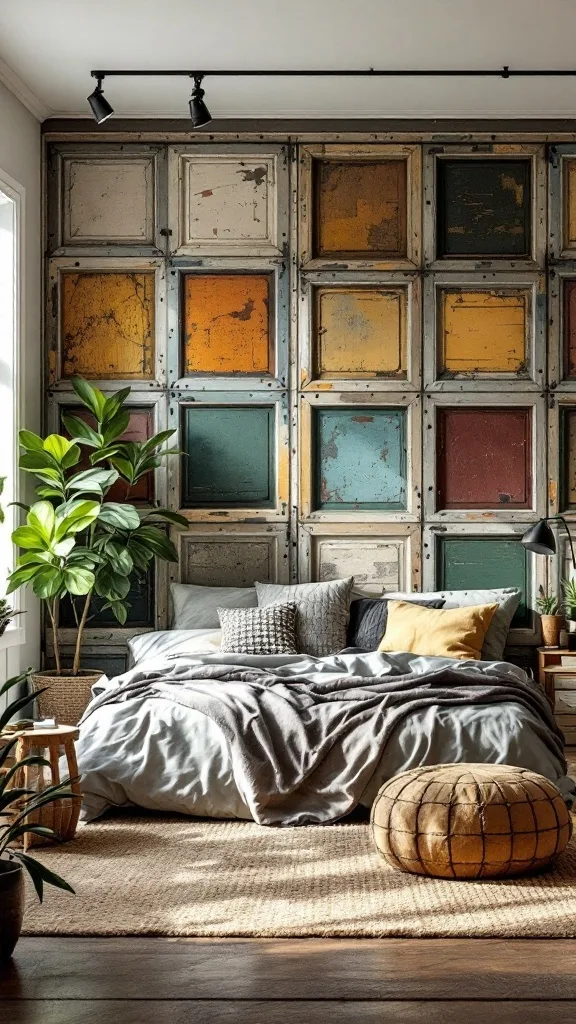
(48, 49)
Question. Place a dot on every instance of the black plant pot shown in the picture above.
(11, 906)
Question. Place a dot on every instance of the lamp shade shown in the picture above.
(101, 109)
(539, 538)
(199, 113)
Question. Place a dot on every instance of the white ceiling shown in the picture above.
(49, 48)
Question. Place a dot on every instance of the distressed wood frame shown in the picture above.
(534, 285)
(278, 325)
(102, 265)
(123, 153)
(498, 531)
(557, 185)
(368, 382)
(276, 159)
(474, 151)
(556, 278)
(353, 400)
(432, 402)
(406, 537)
(274, 534)
(353, 153)
(556, 404)
(278, 399)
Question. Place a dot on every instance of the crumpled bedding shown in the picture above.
(294, 739)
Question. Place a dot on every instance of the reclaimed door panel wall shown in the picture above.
(483, 331)
(568, 459)
(484, 208)
(226, 324)
(360, 208)
(108, 201)
(360, 332)
(233, 555)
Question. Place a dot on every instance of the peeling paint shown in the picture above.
(360, 208)
(483, 332)
(226, 323)
(350, 470)
(484, 208)
(360, 332)
(228, 199)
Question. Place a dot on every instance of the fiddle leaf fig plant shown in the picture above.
(75, 542)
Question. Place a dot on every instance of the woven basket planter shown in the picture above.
(67, 696)
(551, 626)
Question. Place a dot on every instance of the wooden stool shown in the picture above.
(61, 815)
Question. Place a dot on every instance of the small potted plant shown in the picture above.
(551, 620)
(77, 544)
(18, 806)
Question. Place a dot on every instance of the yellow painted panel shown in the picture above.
(360, 332)
(483, 331)
(361, 208)
(226, 323)
(108, 325)
(570, 204)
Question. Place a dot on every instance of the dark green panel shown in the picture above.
(229, 459)
(140, 613)
(484, 564)
(360, 458)
(483, 208)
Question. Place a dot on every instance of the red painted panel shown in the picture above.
(570, 329)
(140, 428)
(484, 458)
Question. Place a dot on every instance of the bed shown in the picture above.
(161, 735)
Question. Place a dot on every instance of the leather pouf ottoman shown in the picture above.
(469, 821)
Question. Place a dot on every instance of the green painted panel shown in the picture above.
(483, 564)
(229, 459)
(360, 459)
(484, 208)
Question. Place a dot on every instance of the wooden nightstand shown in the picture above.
(61, 815)
(559, 683)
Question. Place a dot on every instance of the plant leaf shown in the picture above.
(79, 430)
(29, 538)
(30, 441)
(90, 396)
(78, 581)
(41, 517)
(167, 514)
(122, 517)
(57, 446)
(39, 874)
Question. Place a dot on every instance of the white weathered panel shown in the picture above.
(108, 201)
(227, 203)
(380, 561)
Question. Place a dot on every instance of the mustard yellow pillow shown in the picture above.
(441, 633)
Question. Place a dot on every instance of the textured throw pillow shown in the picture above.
(457, 633)
(368, 620)
(507, 600)
(323, 610)
(259, 630)
(196, 607)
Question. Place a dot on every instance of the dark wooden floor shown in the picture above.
(294, 981)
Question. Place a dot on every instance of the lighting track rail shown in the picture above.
(200, 114)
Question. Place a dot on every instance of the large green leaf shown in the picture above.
(79, 430)
(114, 403)
(116, 426)
(156, 440)
(122, 517)
(48, 582)
(29, 538)
(119, 557)
(95, 481)
(57, 446)
(78, 580)
(33, 461)
(31, 441)
(90, 396)
(42, 518)
(168, 515)
(74, 516)
(157, 542)
(119, 610)
(110, 584)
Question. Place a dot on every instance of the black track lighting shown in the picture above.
(99, 105)
(199, 113)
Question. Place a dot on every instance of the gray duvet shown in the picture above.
(295, 740)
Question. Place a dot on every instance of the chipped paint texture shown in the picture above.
(227, 198)
(376, 565)
(226, 561)
(360, 208)
(484, 458)
(230, 456)
(569, 341)
(107, 325)
(569, 218)
(360, 459)
(360, 332)
(140, 428)
(226, 323)
(485, 564)
(482, 331)
(108, 201)
(484, 208)
(568, 459)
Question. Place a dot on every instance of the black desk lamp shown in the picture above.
(540, 539)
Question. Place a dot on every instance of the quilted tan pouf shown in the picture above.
(469, 821)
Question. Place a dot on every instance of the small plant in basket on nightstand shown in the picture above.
(551, 620)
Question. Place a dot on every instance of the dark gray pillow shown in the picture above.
(368, 618)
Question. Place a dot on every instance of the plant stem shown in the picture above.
(78, 651)
(53, 613)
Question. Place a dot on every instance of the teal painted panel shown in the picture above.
(229, 459)
(360, 460)
(473, 563)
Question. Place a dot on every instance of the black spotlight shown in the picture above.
(101, 109)
(199, 112)
(539, 538)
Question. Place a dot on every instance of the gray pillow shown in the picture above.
(507, 600)
(368, 618)
(322, 612)
(196, 607)
(259, 630)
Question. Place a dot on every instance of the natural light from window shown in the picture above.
(8, 347)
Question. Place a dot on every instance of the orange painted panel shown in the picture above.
(360, 208)
(360, 332)
(226, 323)
(108, 325)
(483, 331)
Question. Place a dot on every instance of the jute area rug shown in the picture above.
(159, 875)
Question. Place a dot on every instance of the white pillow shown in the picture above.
(195, 607)
(173, 641)
(507, 600)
